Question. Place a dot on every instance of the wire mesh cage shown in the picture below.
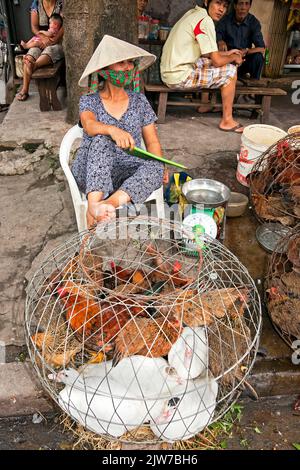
(129, 330)
(275, 183)
(283, 287)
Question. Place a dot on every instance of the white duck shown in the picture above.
(188, 413)
(150, 380)
(99, 402)
(189, 354)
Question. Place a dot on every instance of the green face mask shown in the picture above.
(120, 78)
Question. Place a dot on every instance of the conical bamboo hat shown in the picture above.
(112, 50)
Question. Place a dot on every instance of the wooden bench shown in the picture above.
(47, 80)
(262, 103)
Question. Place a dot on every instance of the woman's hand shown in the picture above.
(122, 138)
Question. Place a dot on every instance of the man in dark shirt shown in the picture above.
(241, 30)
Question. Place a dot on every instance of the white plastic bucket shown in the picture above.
(294, 129)
(255, 140)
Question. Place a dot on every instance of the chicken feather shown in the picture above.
(147, 337)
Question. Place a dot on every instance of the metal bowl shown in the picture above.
(269, 234)
(204, 191)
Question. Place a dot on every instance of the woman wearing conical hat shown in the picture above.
(115, 119)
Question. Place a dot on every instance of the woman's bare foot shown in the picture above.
(23, 44)
(102, 211)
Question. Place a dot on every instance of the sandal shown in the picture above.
(21, 96)
(238, 129)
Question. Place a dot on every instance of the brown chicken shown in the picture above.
(166, 270)
(272, 208)
(288, 284)
(82, 311)
(293, 253)
(259, 181)
(58, 277)
(97, 322)
(137, 278)
(147, 337)
(227, 344)
(92, 265)
(284, 311)
(291, 283)
(291, 194)
(116, 312)
(289, 175)
(195, 309)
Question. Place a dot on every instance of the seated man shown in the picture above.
(190, 58)
(241, 30)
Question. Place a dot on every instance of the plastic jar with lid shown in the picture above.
(154, 28)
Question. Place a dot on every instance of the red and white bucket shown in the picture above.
(255, 140)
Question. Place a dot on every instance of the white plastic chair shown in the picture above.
(79, 199)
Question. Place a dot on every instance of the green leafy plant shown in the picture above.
(226, 423)
(244, 443)
(223, 444)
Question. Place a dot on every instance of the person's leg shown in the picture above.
(142, 181)
(205, 75)
(242, 70)
(117, 199)
(99, 166)
(205, 106)
(31, 62)
(28, 67)
(42, 61)
(228, 93)
(253, 65)
(98, 209)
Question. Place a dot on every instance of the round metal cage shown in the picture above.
(128, 328)
(275, 183)
(283, 287)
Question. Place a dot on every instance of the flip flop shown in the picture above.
(233, 129)
(22, 96)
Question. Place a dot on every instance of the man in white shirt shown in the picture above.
(191, 59)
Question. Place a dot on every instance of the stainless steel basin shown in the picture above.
(205, 191)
